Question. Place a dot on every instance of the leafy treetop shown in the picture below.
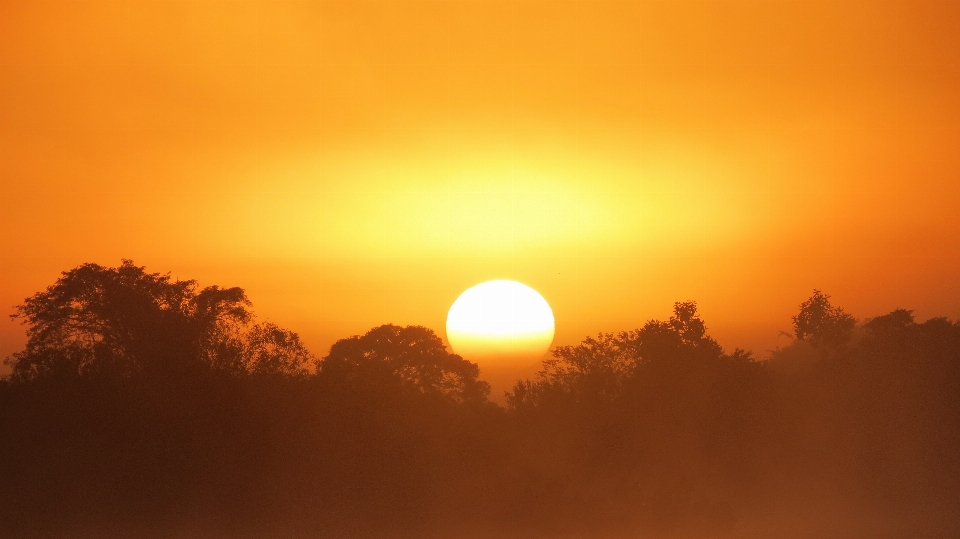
(408, 359)
(125, 322)
(821, 324)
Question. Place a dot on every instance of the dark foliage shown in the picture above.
(402, 359)
(124, 322)
(144, 407)
(823, 325)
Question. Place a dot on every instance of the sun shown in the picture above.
(500, 320)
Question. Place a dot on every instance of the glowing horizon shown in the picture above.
(356, 163)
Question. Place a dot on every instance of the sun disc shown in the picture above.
(500, 319)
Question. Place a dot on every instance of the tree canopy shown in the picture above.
(599, 368)
(411, 358)
(125, 321)
(822, 324)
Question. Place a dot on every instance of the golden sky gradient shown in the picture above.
(357, 163)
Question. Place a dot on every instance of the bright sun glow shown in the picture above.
(500, 319)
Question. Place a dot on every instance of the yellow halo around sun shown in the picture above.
(500, 319)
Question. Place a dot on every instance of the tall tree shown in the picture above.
(126, 321)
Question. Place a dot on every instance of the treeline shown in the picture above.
(145, 406)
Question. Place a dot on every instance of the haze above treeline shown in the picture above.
(144, 405)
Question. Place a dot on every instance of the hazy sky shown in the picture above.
(357, 163)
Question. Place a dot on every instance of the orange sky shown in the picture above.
(357, 163)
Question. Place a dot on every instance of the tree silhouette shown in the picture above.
(144, 403)
(593, 370)
(410, 358)
(823, 325)
(271, 350)
(598, 368)
(684, 335)
(125, 321)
